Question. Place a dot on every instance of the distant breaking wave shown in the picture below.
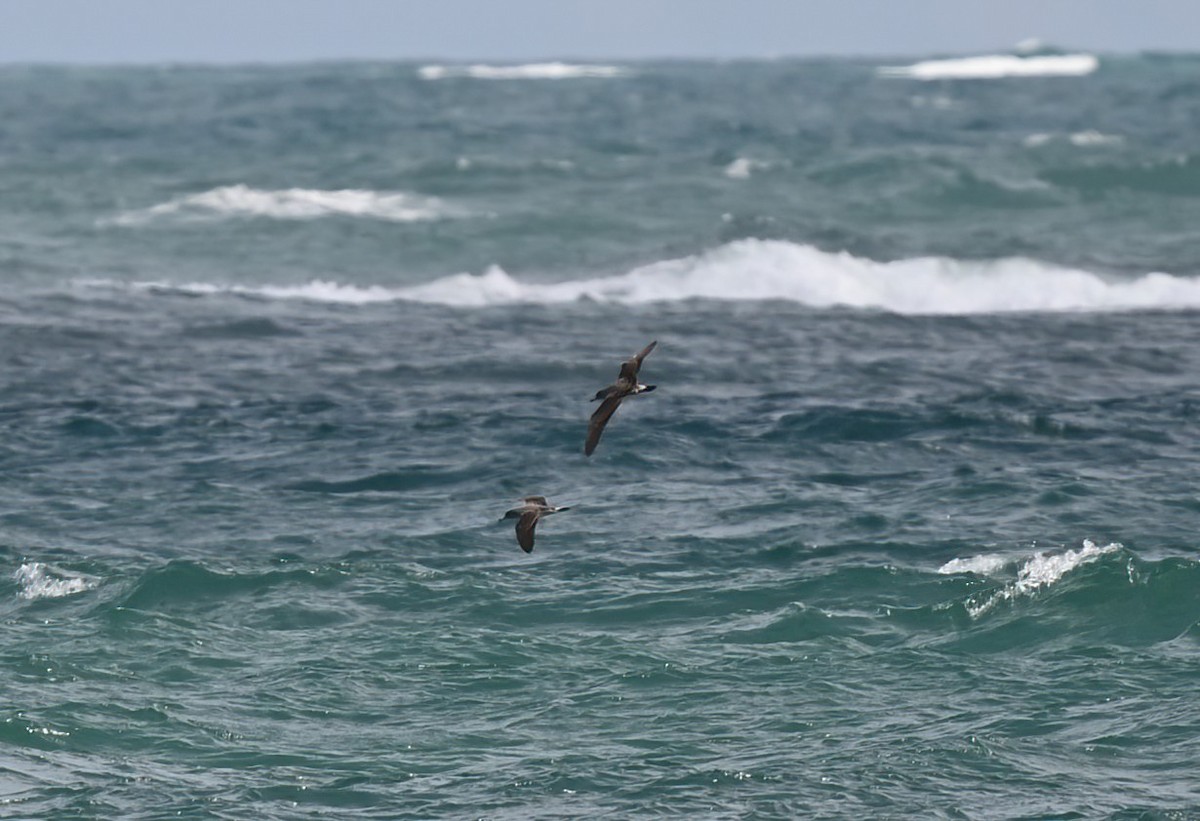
(531, 71)
(1080, 139)
(774, 270)
(994, 66)
(290, 204)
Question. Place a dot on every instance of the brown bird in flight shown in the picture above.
(527, 516)
(626, 385)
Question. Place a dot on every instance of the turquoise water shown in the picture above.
(907, 529)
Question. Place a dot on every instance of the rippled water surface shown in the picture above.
(907, 529)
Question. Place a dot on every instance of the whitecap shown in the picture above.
(1093, 138)
(1082, 139)
(742, 167)
(528, 71)
(232, 201)
(1044, 569)
(38, 580)
(314, 291)
(995, 66)
(985, 564)
(779, 270)
(772, 270)
(1040, 571)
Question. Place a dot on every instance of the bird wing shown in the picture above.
(630, 368)
(599, 419)
(645, 352)
(525, 526)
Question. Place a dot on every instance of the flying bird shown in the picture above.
(527, 516)
(610, 398)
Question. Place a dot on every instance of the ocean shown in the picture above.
(907, 530)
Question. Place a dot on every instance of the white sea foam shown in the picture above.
(742, 167)
(985, 564)
(1085, 138)
(291, 204)
(775, 270)
(1040, 571)
(1082, 139)
(994, 66)
(315, 291)
(42, 581)
(528, 71)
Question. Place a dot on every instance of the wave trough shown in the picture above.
(290, 204)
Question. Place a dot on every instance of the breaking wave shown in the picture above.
(1035, 573)
(290, 204)
(530, 71)
(38, 580)
(742, 167)
(995, 66)
(1080, 139)
(773, 270)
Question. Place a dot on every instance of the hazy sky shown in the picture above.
(137, 31)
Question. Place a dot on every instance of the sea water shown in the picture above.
(908, 529)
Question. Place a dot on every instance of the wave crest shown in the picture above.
(38, 580)
(777, 270)
(529, 71)
(290, 204)
(1039, 571)
(773, 270)
(995, 66)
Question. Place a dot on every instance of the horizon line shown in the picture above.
(571, 60)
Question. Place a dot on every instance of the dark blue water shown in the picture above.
(907, 529)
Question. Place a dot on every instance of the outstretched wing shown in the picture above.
(525, 526)
(645, 352)
(599, 419)
(630, 368)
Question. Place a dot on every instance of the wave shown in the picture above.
(742, 167)
(290, 204)
(995, 66)
(180, 581)
(750, 269)
(986, 564)
(1080, 139)
(529, 71)
(415, 477)
(38, 580)
(1173, 176)
(1034, 574)
(314, 291)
